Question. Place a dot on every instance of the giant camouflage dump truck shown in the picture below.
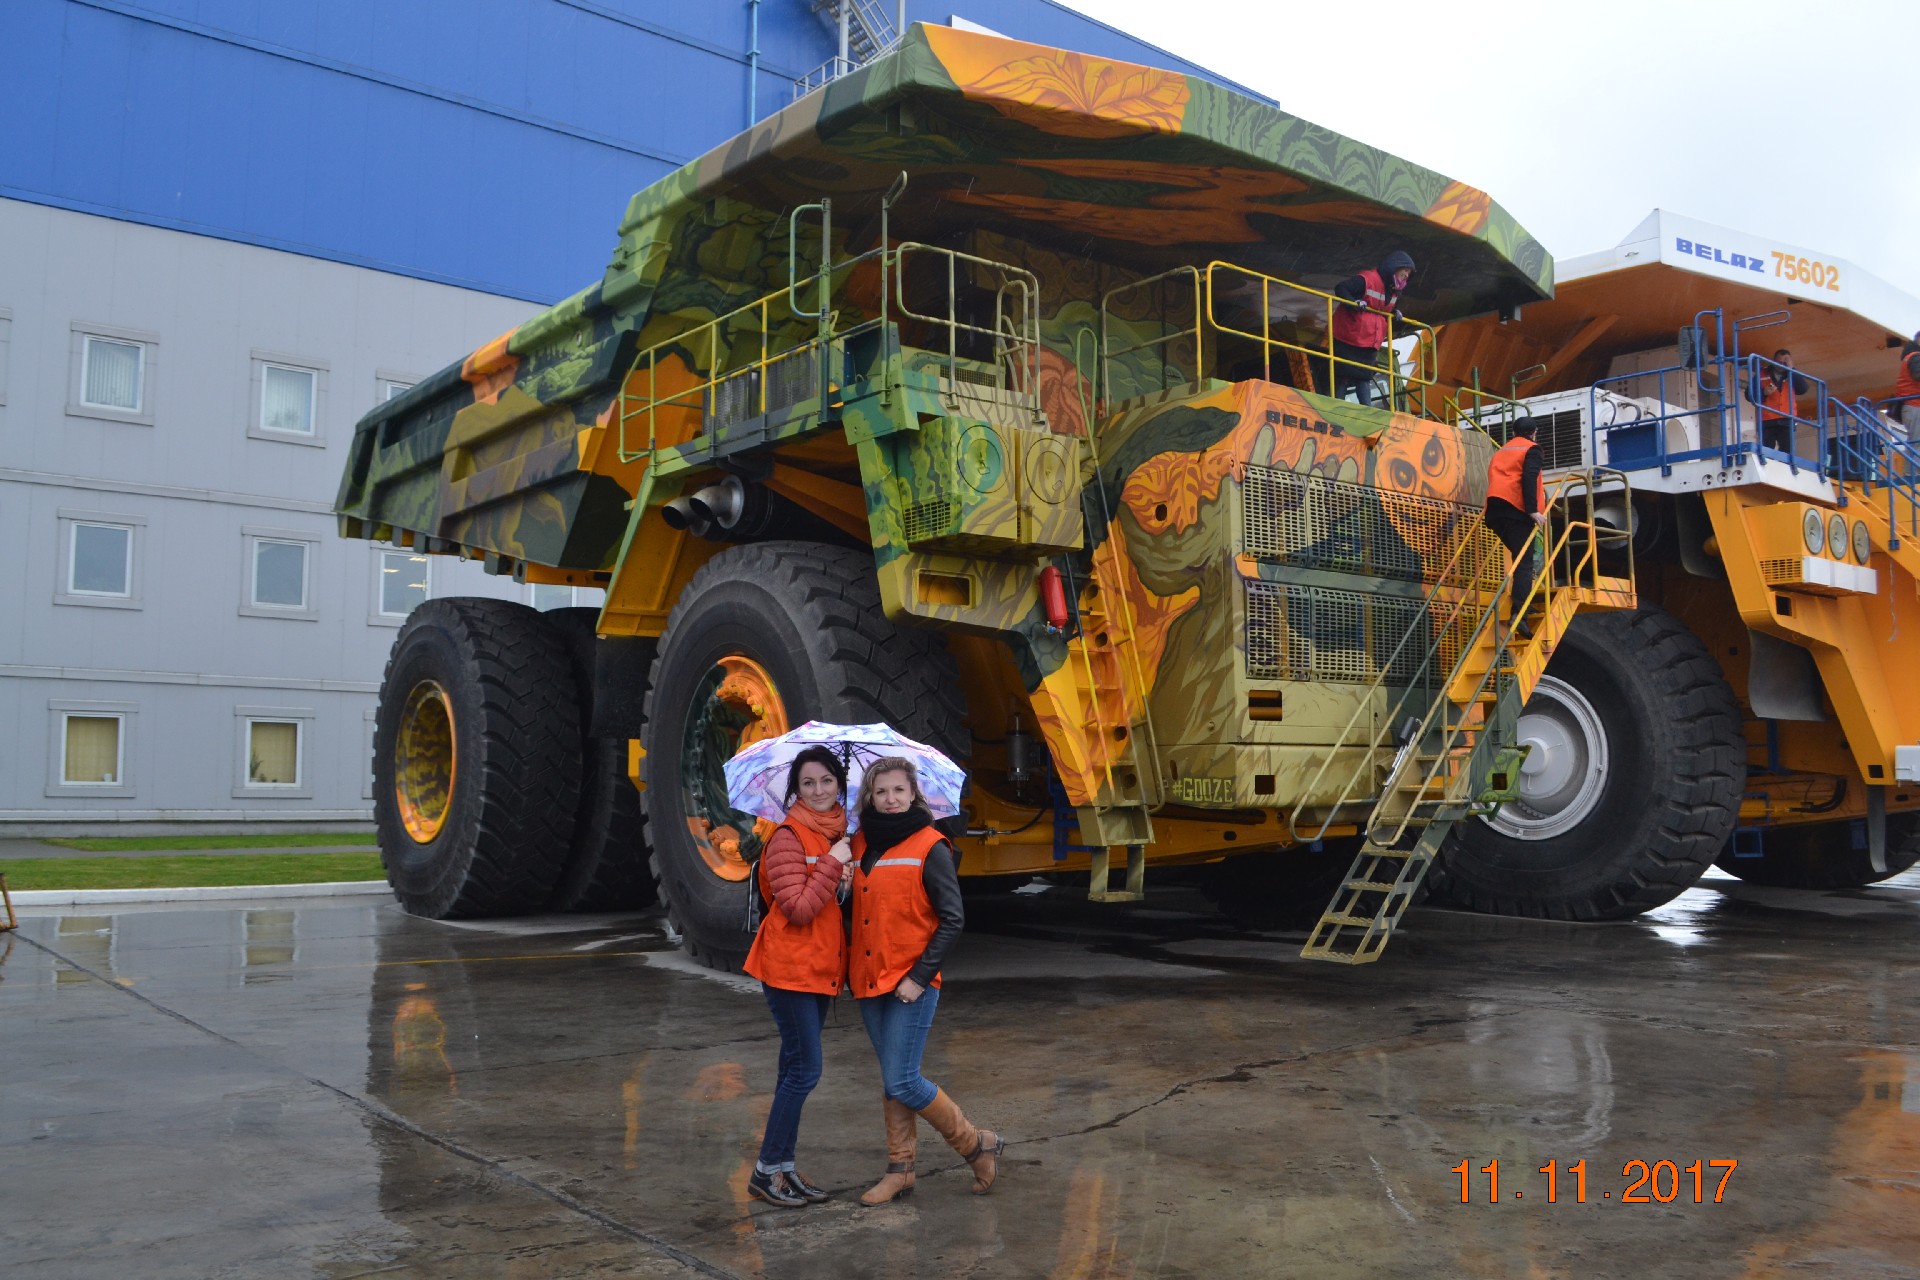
(984, 392)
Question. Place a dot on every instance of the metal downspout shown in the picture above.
(753, 63)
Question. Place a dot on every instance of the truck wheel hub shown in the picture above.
(1566, 766)
(425, 762)
(735, 706)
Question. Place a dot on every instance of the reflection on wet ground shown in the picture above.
(341, 1090)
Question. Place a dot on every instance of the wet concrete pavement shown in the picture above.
(340, 1090)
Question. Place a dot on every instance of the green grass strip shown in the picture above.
(136, 844)
(198, 869)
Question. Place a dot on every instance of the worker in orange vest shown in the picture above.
(1777, 390)
(1906, 389)
(1360, 323)
(1516, 506)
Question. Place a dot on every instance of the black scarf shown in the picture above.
(885, 830)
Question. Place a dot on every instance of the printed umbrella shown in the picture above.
(757, 776)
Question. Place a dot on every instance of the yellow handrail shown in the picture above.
(1462, 596)
(1016, 339)
(1421, 375)
(1583, 567)
(1214, 283)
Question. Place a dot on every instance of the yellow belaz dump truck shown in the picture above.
(1742, 387)
(985, 392)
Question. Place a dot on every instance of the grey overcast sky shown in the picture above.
(1799, 122)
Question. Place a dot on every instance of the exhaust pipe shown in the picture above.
(722, 503)
(681, 513)
(733, 510)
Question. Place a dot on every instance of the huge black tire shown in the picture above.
(1631, 790)
(476, 760)
(804, 620)
(1826, 855)
(1288, 889)
(606, 867)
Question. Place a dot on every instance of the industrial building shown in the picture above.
(226, 232)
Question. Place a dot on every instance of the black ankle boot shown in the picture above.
(813, 1194)
(774, 1189)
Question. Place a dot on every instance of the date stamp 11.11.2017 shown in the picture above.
(1701, 1181)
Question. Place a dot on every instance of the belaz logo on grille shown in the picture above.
(1317, 425)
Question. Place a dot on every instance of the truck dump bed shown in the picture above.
(1125, 171)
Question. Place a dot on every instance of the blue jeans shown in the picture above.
(799, 1015)
(899, 1035)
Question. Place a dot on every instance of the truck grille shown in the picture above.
(1321, 634)
(1560, 435)
(1318, 523)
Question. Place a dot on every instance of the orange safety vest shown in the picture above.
(1367, 329)
(1906, 385)
(1779, 402)
(1503, 476)
(893, 919)
(799, 957)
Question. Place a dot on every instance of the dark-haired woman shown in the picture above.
(906, 914)
(799, 955)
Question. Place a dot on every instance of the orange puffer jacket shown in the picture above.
(799, 888)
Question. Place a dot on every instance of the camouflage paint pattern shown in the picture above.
(540, 453)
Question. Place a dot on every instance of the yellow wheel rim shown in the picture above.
(425, 762)
(741, 707)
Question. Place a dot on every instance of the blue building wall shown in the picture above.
(490, 144)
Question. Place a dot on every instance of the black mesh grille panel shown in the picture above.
(1317, 633)
(1309, 520)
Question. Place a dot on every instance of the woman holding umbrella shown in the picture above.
(799, 955)
(906, 914)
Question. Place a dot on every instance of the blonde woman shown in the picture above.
(906, 913)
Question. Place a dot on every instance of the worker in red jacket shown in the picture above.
(1777, 390)
(1906, 389)
(1361, 326)
(1516, 506)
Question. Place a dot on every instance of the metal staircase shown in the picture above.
(1460, 756)
(1879, 468)
(865, 30)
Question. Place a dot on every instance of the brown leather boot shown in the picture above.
(980, 1148)
(902, 1137)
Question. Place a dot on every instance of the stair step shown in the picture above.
(1370, 886)
(1356, 922)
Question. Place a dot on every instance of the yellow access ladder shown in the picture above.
(1111, 701)
(1461, 756)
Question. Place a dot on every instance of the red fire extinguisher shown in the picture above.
(1053, 599)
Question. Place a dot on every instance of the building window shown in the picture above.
(544, 596)
(279, 574)
(272, 744)
(403, 582)
(99, 559)
(289, 399)
(278, 579)
(286, 400)
(114, 372)
(273, 753)
(112, 375)
(89, 746)
(90, 751)
(390, 384)
(100, 562)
